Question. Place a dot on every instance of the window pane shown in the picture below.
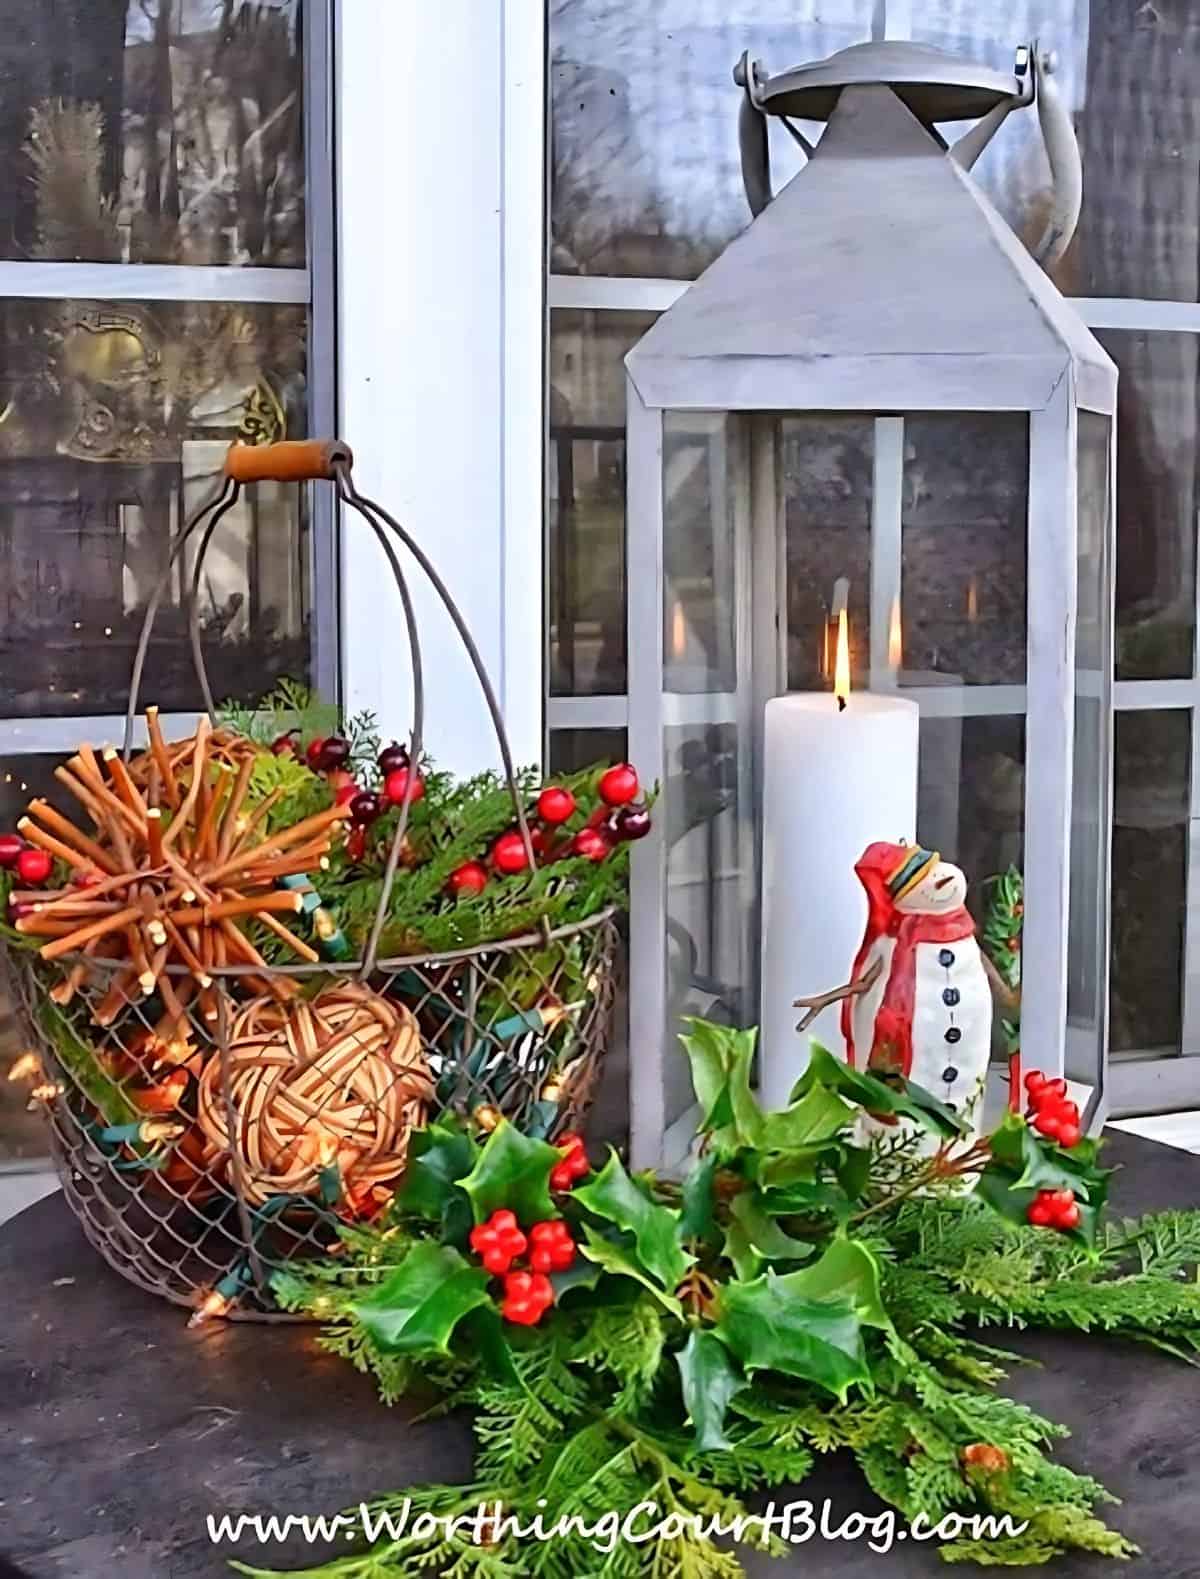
(1156, 501)
(704, 495)
(645, 172)
(117, 419)
(153, 131)
(1149, 867)
(573, 749)
(586, 506)
(646, 179)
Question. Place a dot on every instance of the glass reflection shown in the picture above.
(153, 131)
(114, 422)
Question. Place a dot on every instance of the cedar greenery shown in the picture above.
(794, 1296)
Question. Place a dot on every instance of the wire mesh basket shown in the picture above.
(215, 1114)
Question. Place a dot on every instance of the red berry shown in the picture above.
(496, 1261)
(1041, 1211)
(561, 1177)
(396, 787)
(518, 1285)
(285, 745)
(541, 1290)
(468, 879)
(334, 754)
(366, 807)
(1061, 1199)
(313, 755)
(541, 1259)
(1012, 945)
(502, 1218)
(633, 822)
(1048, 1123)
(619, 785)
(1034, 1082)
(508, 854)
(591, 844)
(555, 804)
(539, 839)
(34, 866)
(347, 794)
(356, 843)
(11, 845)
(1069, 1135)
(393, 757)
(1054, 1090)
(545, 1233)
(522, 1312)
(1068, 1217)
(483, 1237)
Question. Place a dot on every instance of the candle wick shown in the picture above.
(841, 702)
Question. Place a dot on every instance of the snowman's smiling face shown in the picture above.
(942, 889)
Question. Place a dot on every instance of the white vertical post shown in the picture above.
(1049, 725)
(887, 503)
(648, 874)
(440, 287)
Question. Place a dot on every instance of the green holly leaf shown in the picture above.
(804, 1197)
(580, 1274)
(697, 1216)
(818, 1116)
(1035, 1164)
(769, 1325)
(740, 1253)
(710, 1379)
(416, 1309)
(613, 1195)
(847, 1270)
(902, 1098)
(619, 1259)
(439, 1156)
(751, 1211)
(721, 1058)
(512, 1170)
(853, 1169)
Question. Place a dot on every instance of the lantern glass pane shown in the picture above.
(1088, 930)
(962, 574)
(703, 496)
(826, 465)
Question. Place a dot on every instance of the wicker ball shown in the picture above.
(341, 1079)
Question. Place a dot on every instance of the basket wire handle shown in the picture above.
(329, 460)
(220, 503)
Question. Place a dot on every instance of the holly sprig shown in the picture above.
(790, 1296)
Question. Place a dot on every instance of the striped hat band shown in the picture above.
(911, 870)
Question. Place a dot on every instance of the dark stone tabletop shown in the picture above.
(120, 1429)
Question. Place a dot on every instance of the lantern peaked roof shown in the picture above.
(880, 278)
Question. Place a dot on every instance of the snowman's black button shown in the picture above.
(946, 957)
(949, 1074)
(953, 1035)
(950, 996)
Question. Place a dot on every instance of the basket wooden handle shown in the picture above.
(294, 460)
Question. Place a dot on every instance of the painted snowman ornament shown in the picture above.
(918, 1002)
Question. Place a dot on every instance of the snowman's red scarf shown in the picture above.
(892, 1047)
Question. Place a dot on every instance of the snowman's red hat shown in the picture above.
(890, 871)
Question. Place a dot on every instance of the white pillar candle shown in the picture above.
(833, 783)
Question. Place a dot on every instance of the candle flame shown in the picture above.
(895, 638)
(841, 668)
(972, 600)
(678, 631)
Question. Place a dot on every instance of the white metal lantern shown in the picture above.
(874, 403)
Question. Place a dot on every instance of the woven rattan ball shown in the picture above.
(340, 1080)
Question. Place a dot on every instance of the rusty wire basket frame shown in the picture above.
(182, 1242)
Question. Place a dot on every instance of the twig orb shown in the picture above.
(320, 1089)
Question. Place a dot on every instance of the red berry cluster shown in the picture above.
(1053, 1114)
(1054, 1209)
(499, 1242)
(574, 1165)
(31, 865)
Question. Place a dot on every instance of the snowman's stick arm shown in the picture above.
(824, 1000)
(1009, 998)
